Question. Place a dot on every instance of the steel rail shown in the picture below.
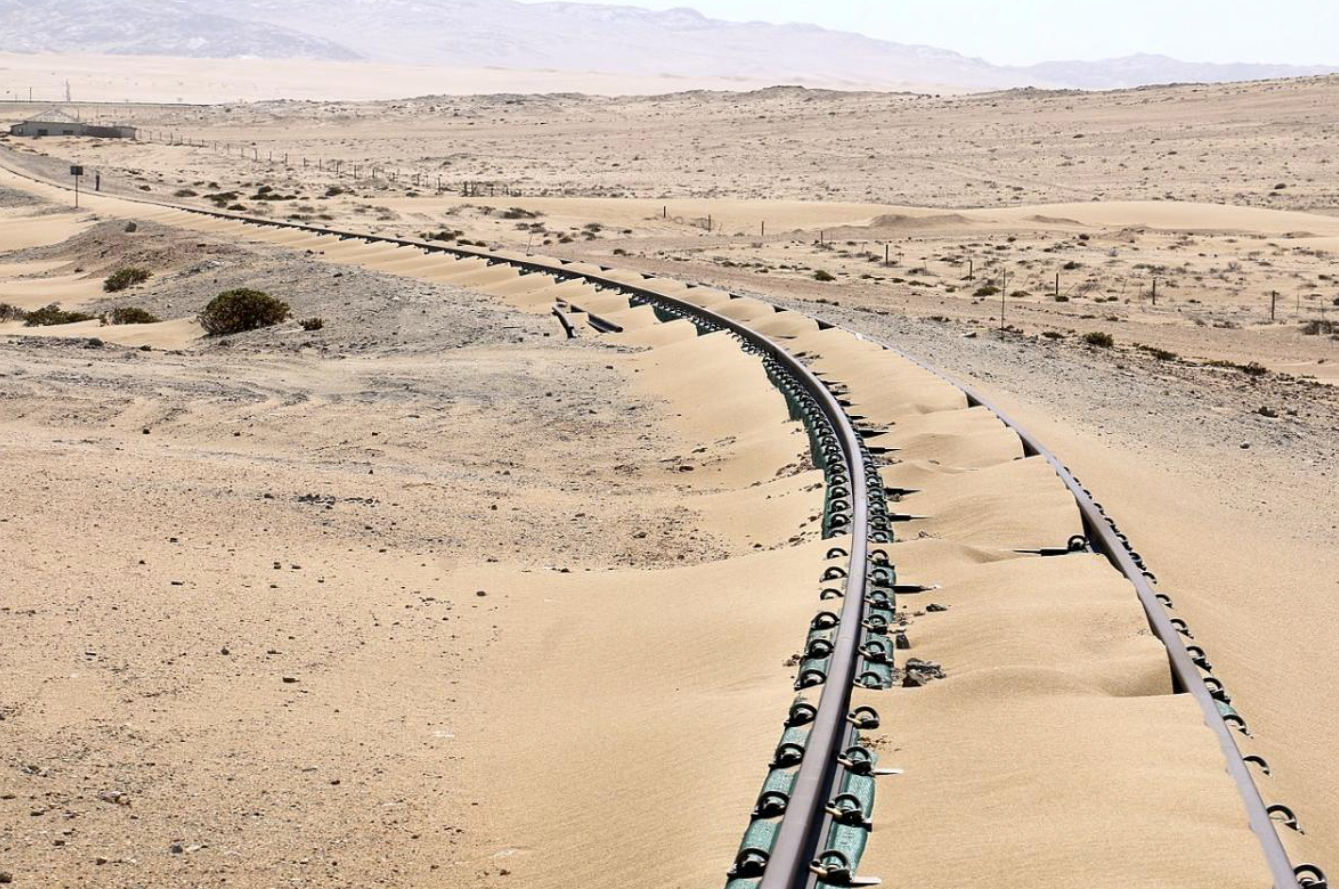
(800, 834)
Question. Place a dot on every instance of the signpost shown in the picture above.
(76, 171)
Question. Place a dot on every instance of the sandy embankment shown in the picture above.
(1107, 667)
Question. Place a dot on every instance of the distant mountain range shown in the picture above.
(557, 36)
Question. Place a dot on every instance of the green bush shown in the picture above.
(1100, 339)
(987, 290)
(132, 315)
(9, 312)
(127, 277)
(823, 276)
(234, 311)
(312, 323)
(54, 314)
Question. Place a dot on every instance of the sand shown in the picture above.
(1054, 730)
(99, 78)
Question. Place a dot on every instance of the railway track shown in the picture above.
(813, 816)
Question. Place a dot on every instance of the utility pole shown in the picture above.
(885, 255)
(1004, 291)
(971, 270)
(1273, 301)
(67, 91)
(1057, 285)
(1155, 291)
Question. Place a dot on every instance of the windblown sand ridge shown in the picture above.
(1048, 659)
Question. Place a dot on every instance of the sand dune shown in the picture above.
(1052, 751)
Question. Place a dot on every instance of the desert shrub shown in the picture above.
(132, 315)
(222, 198)
(127, 277)
(1061, 298)
(987, 290)
(1070, 266)
(1317, 327)
(1100, 339)
(522, 213)
(1158, 353)
(234, 311)
(185, 193)
(821, 275)
(1053, 334)
(9, 312)
(54, 314)
(312, 323)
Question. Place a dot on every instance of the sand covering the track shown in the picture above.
(1052, 754)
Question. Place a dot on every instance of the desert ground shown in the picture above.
(435, 595)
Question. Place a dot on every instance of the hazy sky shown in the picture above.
(1304, 32)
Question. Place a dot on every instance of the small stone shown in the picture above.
(290, 679)
(175, 849)
(225, 650)
(1245, 445)
(935, 607)
(132, 226)
(6, 877)
(480, 593)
